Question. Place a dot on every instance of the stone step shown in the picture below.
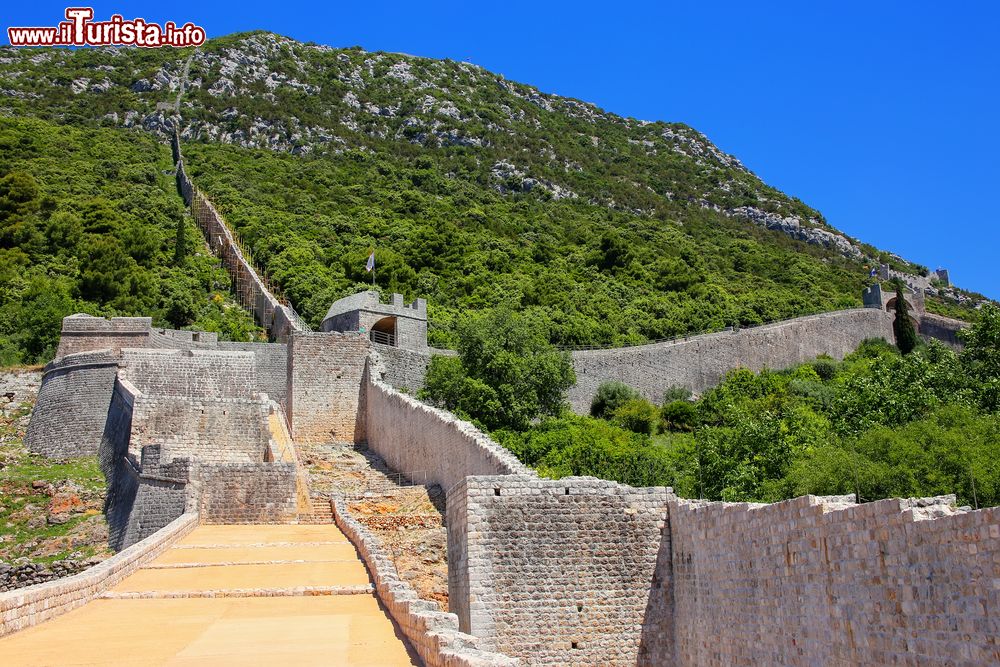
(298, 591)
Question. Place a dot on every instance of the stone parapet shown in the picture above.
(700, 362)
(434, 634)
(30, 606)
(413, 437)
(556, 572)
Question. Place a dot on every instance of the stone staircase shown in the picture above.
(321, 512)
(406, 515)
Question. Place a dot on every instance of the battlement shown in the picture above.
(396, 323)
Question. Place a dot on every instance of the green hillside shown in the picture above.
(474, 190)
(89, 223)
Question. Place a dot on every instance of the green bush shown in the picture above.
(609, 397)
(637, 415)
(676, 393)
(586, 446)
(679, 416)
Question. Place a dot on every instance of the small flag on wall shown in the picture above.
(370, 266)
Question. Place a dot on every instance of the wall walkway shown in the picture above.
(240, 594)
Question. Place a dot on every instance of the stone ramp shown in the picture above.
(245, 594)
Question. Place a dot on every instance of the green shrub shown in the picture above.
(676, 393)
(826, 368)
(679, 416)
(609, 397)
(585, 446)
(506, 374)
(637, 415)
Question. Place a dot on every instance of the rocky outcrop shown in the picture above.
(794, 227)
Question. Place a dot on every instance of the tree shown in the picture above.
(638, 415)
(902, 326)
(981, 356)
(507, 374)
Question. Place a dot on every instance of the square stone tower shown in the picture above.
(397, 324)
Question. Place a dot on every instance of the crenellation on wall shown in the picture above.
(361, 312)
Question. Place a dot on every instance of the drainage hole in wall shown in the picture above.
(496, 492)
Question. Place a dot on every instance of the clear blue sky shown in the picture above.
(884, 116)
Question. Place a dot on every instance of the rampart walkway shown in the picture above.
(229, 595)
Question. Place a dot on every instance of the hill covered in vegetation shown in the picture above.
(474, 191)
(90, 222)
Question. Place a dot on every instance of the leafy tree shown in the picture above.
(679, 416)
(506, 373)
(106, 268)
(587, 446)
(981, 356)
(637, 415)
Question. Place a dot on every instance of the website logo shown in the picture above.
(79, 29)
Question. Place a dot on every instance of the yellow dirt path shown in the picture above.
(286, 629)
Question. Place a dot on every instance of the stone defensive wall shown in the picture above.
(700, 362)
(944, 329)
(83, 333)
(211, 430)
(423, 442)
(271, 366)
(30, 606)
(824, 581)
(406, 370)
(279, 319)
(72, 405)
(191, 373)
(325, 389)
(259, 492)
(582, 571)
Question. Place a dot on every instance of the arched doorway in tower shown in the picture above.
(384, 331)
